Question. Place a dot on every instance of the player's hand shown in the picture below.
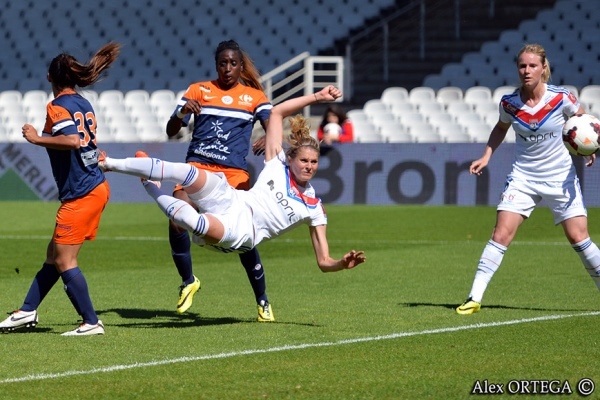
(328, 93)
(353, 258)
(258, 147)
(477, 166)
(590, 160)
(29, 133)
(191, 107)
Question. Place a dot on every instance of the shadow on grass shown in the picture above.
(493, 306)
(28, 330)
(170, 319)
(165, 318)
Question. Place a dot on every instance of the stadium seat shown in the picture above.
(393, 95)
(382, 118)
(590, 94)
(10, 96)
(485, 107)
(369, 137)
(356, 115)
(477, 95)
(396, 135)
(34, 99)
(423, 132)
(501, 91)
(397, 109)
(453, 133)
(374, 106)
(439, 119)
(478, 131)
(449, 94)
(421, 94)
(408, 118)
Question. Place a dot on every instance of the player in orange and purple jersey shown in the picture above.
(225, 111)
(69, 136)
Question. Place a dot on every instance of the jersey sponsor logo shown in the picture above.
(227, 100)
(538, 138)
(205, 88)
(284, 203)
(89, 157)
(245, 99)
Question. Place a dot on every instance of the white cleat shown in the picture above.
(19, 319)
(86, 330)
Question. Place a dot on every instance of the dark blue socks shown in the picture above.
(256, 273)
(77, 290)
(182, 257)
(42, 283)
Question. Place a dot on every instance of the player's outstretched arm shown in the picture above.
(325, 262)
(274, 137)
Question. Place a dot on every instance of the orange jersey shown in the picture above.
(224, 126)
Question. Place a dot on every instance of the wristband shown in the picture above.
(179, 114)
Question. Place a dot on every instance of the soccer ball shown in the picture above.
(580, 134)
(334, 130)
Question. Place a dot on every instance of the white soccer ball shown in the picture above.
(580, 134)
(333, 130)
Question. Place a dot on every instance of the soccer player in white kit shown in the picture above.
(233, 220)
(542, 170)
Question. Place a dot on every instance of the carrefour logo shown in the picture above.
(245, 99)
(25, 173)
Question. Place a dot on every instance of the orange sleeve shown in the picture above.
(55, 114)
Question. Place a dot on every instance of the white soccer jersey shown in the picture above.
(540, 152)
(273, 206)
(278, 204)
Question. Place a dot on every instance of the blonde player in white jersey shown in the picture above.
(233, 220)
(542, 170)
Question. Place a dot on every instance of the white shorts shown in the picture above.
(225, 204)
(564, 198)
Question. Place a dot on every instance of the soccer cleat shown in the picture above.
(86, 330)
(19, 319)
(141, 154)
(468, 307)
(186, 295)
(102, 161)
(265, 312)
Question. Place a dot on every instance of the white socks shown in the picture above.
(490, 261)
(154, 169)
(179, 211)
(590, 256)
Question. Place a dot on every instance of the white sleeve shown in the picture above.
(571, 104)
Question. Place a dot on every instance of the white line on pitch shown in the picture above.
(292, 347)
(285, 240)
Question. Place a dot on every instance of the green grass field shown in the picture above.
(385, 330)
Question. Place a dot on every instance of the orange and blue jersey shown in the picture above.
(223, 129)
(75, 171)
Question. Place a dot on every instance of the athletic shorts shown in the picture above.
(238, 178)
(227, 205)
(77, 220)
(564, 198)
